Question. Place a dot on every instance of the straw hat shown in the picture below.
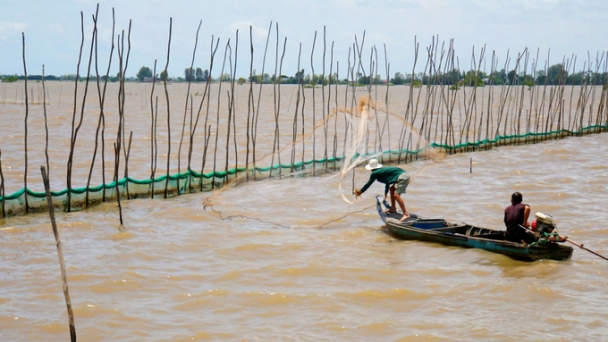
(373, 164)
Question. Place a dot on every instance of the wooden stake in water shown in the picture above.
(168, 109)
(64, 278)
(25, 125)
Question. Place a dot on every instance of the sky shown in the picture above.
(551, 29)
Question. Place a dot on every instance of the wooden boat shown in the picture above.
(466, 235)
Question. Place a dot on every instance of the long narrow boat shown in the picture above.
(466, 235)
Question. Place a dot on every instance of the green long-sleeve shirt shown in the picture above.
(387, 175)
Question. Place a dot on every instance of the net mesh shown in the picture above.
(191, 181)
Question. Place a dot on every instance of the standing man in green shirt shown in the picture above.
(395, 179)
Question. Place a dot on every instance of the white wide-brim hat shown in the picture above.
(373, 164)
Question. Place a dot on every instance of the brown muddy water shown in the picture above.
(289, 260)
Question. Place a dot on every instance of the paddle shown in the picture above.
(580, 245)
(587, 249)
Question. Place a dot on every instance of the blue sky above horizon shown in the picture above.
(556, 29)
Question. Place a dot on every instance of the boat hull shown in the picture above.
(468, 236)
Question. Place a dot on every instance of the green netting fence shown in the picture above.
(191, 181)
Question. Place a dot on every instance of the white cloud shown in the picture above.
(9, 27)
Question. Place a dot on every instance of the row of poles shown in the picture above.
(455, 120)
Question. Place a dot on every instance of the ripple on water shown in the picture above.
(180, 272)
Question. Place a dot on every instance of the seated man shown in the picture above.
(515, 215)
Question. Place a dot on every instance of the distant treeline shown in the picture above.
(554, 75)
(14, 78)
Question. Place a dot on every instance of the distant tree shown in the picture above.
(528, 80)
(164, 75)
(498, 77)
(333, 79)
(557, 74)
(10, 79)
(398, 79)
(241, 81)
(225, 77)
(452, 77)
(199, 75)
(299, 76)
(473, 79)
(320, 79)
(577, 78)
(189, 74)
(306, 79)
(364, 80)
(143, 72)
(541, 77)
(512, 77)
(600, 79)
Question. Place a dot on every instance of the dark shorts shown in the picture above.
(519, 236)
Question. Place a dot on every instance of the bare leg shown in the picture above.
(399, 200)
(393, 207)
(392, 191)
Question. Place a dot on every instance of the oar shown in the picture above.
(587, 249)
(580, 245)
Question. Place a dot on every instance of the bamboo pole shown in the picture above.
(168, 111)
(153, 121)
(64, 278)
(349, 73)
(190, 173)
(387, 67)
(101, 120)
(250, 104)
(25, 125)
(46, 126)
(122, 60)
(195, 124)
(409, 105)
(72, 141)
(207, 137)
(233, 105)
(188, 95)
(336, 81)
(295, 114)
(301, 87)
(257, 110)
(217, 117)
(231, 109)
(117, 187)
(207, 95)
(277, 102)
(324, 114)
(155, 158)
(127, 165)
(274, 99)
(314, 115)
(372, 78)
